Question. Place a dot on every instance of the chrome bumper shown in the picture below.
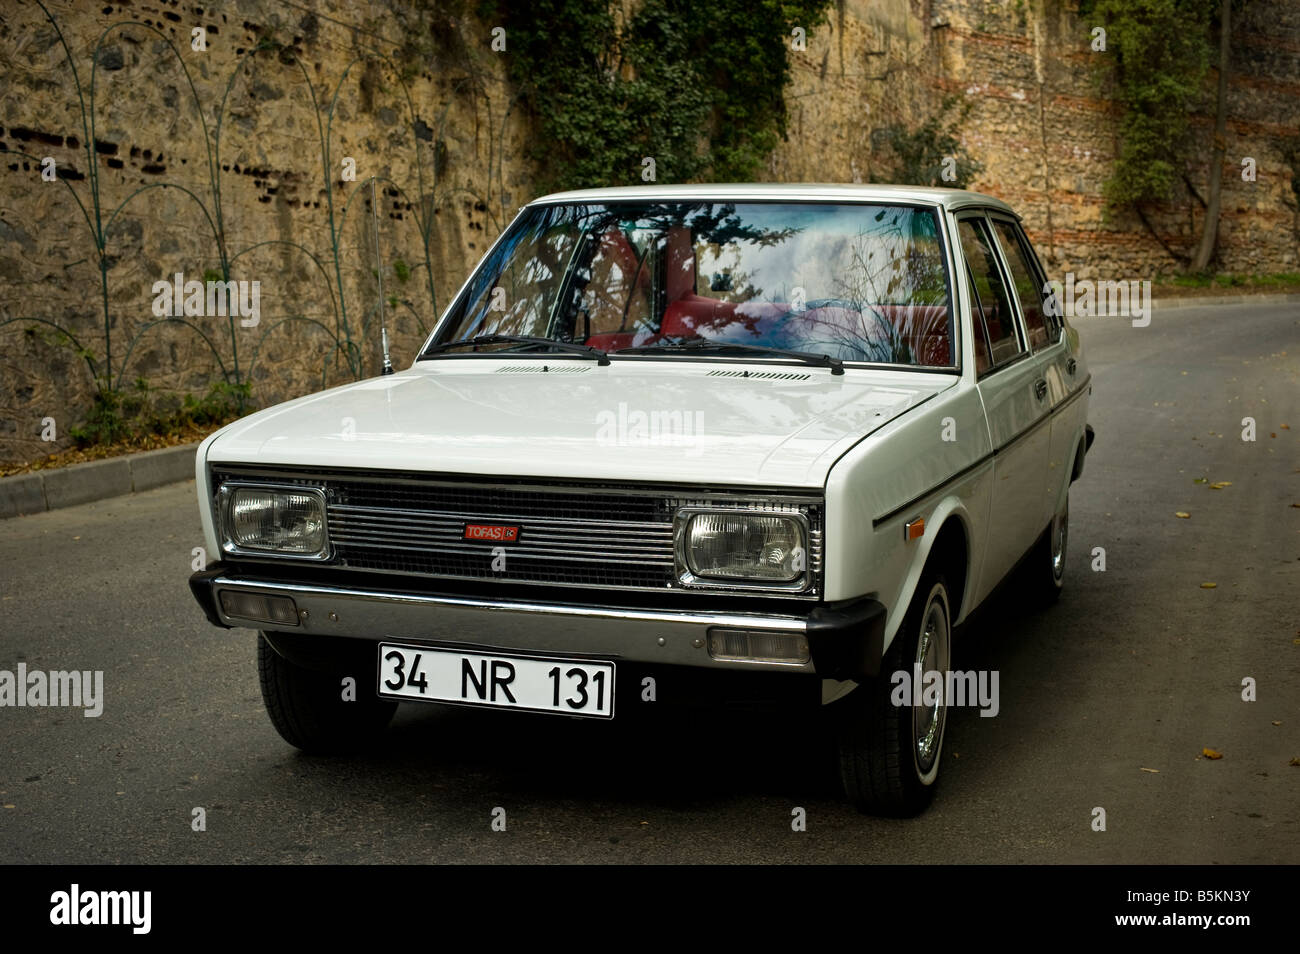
(845, 639)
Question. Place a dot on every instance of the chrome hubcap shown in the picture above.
(1059, 533)
(932, 654)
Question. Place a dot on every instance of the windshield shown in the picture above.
(855, 282)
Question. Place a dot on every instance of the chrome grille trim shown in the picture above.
(571, 534)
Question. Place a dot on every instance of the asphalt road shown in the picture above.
(1137, 668)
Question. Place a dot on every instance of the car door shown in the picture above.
(1047, 341)
(1011, 387)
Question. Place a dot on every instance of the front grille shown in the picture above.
(570, 534)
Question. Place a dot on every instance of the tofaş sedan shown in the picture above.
(672, 442)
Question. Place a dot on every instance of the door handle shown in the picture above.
(1040, 388)
(1071, 366)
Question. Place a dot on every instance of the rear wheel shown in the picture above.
(1047, 565)
(889, 753)
(316, 710)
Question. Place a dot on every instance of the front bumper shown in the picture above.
(845, 639)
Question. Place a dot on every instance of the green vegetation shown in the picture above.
(128, 415)
(699, 88)
(1156, 57)
(1283, 281)
(922, 155)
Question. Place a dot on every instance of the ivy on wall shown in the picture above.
(698, 88)
(930, 154)
(1157, 56)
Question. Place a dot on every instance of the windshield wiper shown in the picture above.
(572, 347)
(808, 357)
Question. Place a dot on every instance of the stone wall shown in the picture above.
(1042, 129)
(226, 144)
(239, 149)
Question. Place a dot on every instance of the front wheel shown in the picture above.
(890, 730)
(319, 710)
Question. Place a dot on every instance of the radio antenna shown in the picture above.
(379, 273)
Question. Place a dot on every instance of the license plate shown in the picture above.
(576, 687)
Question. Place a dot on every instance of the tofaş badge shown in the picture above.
(490, 533)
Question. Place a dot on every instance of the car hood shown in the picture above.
(643, 420)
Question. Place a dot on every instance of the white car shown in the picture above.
(698, 442)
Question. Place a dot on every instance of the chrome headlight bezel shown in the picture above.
(688, 576)
(230, 547)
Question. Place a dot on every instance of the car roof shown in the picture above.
(951, 199)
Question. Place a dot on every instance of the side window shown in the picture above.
(1028, 289)
(982, 361)
(990, 304)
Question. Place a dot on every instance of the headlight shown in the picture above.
(284, 521)
(761, 548)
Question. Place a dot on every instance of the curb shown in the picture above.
(1207, 301)
(1192, 301)
(94, 480)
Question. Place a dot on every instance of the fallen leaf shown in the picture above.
(1211, 754)
(1293, 762)
(1182, 513)
(1152, 771)
(1221, 484)
(1272, 434)
(1277, 723)
(1208, 586)
(1285, 427)
(1201, 480)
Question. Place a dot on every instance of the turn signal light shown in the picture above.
(259, 608)
(748, 645)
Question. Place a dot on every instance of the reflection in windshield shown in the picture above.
(855, 282)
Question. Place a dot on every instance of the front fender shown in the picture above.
(950, 507)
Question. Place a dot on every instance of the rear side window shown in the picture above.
(1028, 289)
(982, 359)
(991, 304)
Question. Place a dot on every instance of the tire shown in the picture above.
(307, 708)
(1047, 563)
(885, 768)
